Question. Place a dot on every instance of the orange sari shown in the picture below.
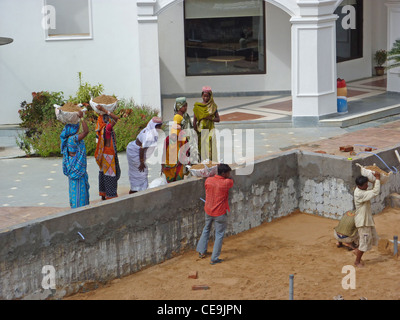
(107, 160)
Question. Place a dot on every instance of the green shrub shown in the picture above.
(42, 136)
(85, 92)
(132, 120)
(48, 143)
(40, 110)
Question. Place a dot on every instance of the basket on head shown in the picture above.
(108, 102)
(68, 113)
(368, 171)
(205, 169)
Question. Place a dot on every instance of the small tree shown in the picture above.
(380, 57)
(394, 55)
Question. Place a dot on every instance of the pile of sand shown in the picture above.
(257, 264)
(377, 169)
(70, 107)
(203, 165)
(104, 99)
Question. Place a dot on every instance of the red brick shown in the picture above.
(346, 148)
(193, 275)
(320, 152)
(368, 149)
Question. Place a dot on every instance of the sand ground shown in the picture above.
(257, 264)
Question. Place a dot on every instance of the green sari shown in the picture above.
(207, 144)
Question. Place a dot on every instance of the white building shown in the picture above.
(150, 49)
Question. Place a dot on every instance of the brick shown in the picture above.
(346, 148)
(193, 275)
(319, 151)
(200, 287)
(368, 149)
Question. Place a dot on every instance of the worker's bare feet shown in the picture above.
(359, 264)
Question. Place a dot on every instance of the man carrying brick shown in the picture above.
(363, 219)
(216, 208)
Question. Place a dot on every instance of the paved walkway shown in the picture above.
(35, 187)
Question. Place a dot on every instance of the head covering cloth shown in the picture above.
(149, 135)
(202, 110)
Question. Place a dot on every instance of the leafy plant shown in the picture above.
(380, 57)
(85, 92)
(41, 109)
(133, 119)
(394, 55)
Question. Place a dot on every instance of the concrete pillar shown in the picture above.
(393, 75)
(150, 92)
(313, 62)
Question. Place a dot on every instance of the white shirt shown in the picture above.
(362, 201)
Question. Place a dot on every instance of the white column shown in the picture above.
(313, 62)
(393, 75)
(149, 55)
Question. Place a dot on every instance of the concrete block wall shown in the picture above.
(124, 235)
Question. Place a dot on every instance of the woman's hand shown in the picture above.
(142, 167)
(101, 108)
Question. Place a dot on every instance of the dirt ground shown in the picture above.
(257, 264)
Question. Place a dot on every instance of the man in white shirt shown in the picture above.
(363, 219)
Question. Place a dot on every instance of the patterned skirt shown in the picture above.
(109, 174)
(79, 191)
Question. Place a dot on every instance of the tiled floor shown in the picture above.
(280, 107)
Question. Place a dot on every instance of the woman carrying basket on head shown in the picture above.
(73, 150)
(205, 115)
(106, 154)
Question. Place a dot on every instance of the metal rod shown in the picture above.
(291, 286)
(395, 238)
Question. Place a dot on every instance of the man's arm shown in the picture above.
(369, 194)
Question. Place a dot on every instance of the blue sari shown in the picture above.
(75, 167)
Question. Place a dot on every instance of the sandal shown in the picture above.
(216, 261)
(202, 255)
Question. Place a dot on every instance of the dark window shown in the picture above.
(224, 37)
(349, 30)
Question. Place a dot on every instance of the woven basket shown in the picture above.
(366, 172)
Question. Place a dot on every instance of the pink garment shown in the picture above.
(206, 89)
(108, 131)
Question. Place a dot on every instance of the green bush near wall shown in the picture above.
(42, 130)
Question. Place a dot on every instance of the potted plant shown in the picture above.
(380, 58)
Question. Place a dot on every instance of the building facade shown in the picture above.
(150, 49)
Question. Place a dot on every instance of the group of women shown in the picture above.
(186, 143)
